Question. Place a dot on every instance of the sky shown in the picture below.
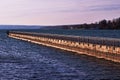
(57, 12)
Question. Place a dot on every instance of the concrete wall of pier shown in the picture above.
(72, 43)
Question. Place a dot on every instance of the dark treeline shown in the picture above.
(103, 24)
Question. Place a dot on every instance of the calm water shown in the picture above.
(20, 60)
(94, 33)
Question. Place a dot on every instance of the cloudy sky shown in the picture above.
(57, 12)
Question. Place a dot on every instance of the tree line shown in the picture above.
(103, 24)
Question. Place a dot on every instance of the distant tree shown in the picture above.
(103, 24)
(118, 23)
(109, 24)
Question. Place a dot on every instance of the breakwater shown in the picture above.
(107, 48)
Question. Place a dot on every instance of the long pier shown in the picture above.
(107, 48)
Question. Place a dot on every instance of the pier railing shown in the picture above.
(87, 39)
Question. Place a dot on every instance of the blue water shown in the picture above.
(20, 60)
(76, 32)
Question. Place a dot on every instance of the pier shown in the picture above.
(107, 48)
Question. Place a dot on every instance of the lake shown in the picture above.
(20, 60)
(77, 32)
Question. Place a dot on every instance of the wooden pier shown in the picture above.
(107, 48)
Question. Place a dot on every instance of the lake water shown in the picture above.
(93, 33)
(20, 60)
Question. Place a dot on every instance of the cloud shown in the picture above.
(57, 11)
(104, 7)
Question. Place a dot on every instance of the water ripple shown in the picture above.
(21, 60)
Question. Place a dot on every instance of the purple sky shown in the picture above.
(57, 12)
